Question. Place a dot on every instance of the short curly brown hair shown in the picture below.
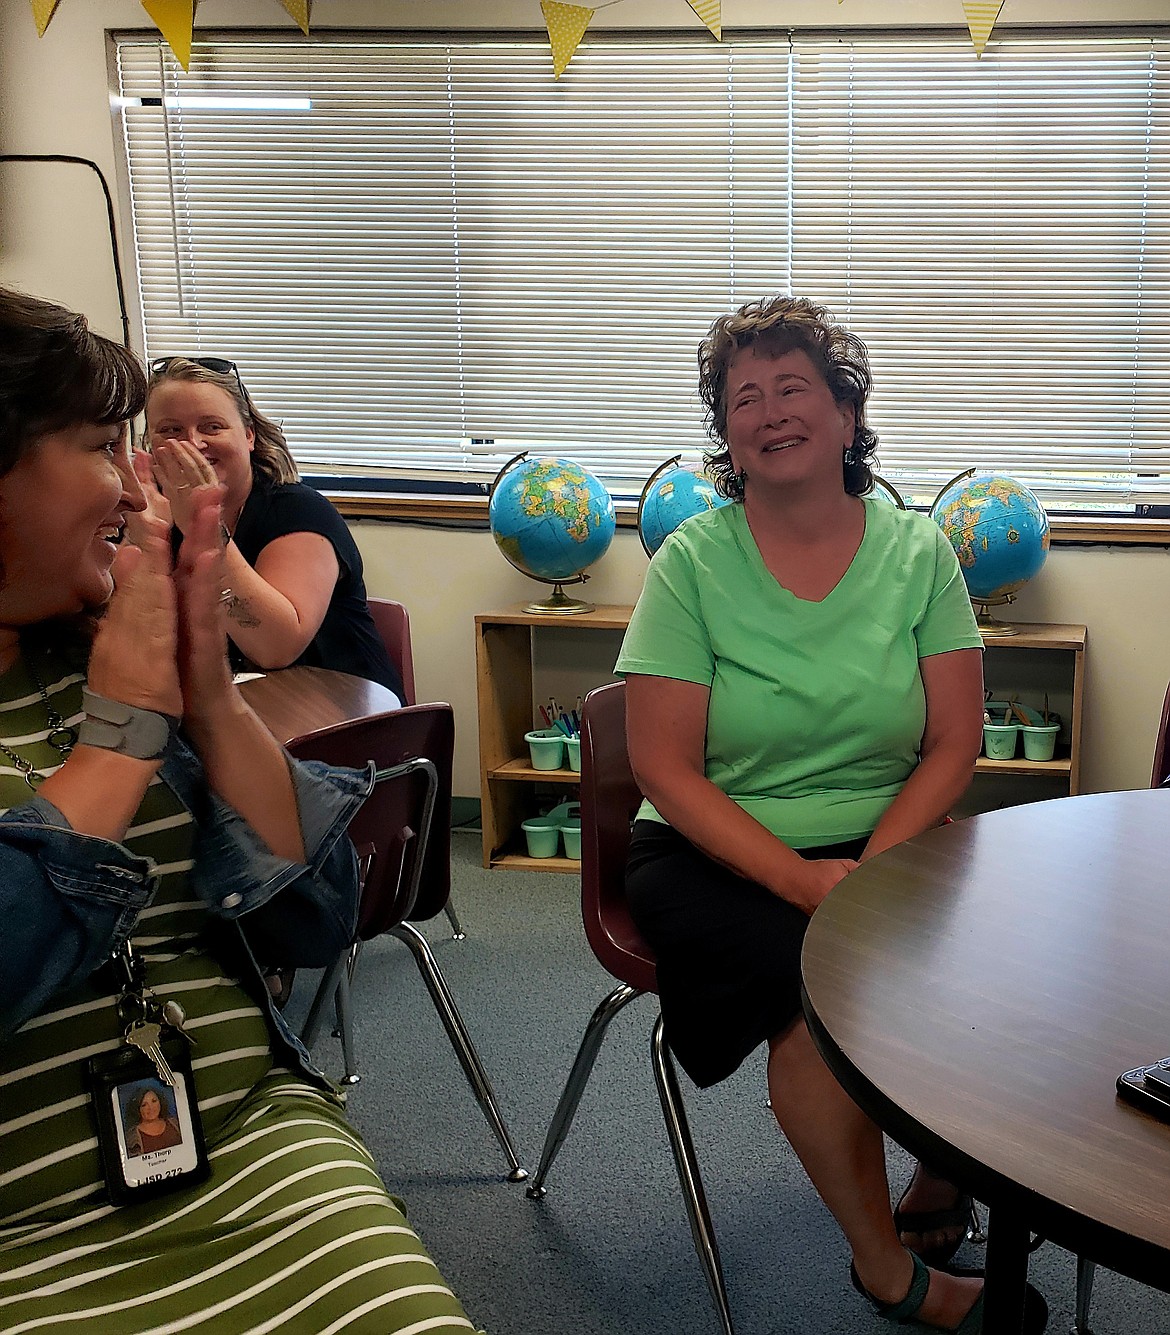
(774, 326)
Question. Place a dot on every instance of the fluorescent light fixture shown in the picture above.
(199, 103)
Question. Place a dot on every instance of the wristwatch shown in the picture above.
(113, 726)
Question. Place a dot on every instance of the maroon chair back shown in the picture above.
(1162, 746)
(609, 799)
(393, 625)
(408, 811)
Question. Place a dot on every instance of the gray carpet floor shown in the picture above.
(608, 1250)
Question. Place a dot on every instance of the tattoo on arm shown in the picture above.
(241, 613)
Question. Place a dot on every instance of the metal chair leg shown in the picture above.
(354, 955)
(688, 1173)
(566, 1109)
(469, 1058)
(976, 1233)
(345, 1025)
(457, 932)
(326, 992)
(1086, 1270)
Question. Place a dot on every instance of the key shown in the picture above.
(174, 1015)
(143, 1035)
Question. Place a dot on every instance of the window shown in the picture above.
(429, 255)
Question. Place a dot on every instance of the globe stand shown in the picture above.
(559, 604)
(988, 625)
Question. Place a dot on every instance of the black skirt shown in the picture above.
(728, 950)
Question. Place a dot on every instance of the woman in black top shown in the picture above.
(297, 595)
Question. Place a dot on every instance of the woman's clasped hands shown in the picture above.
(162, 643)
(816, 877)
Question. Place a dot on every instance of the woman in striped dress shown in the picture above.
(144, 865)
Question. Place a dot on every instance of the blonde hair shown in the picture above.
(271, 458)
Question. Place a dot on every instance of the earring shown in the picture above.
(738, 481)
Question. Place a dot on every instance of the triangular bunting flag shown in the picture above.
(566, 26)
(299, 9)
(981, 17)
(174, 19)
(710, 12)
(43, 12)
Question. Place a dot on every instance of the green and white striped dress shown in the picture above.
(294, 1231)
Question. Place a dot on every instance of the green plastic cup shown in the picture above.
(573, 747)
(999, 740)
(546, 747)
(1040, 740)
(571, 834)
(542, 838)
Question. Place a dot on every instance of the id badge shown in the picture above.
(149, 1133)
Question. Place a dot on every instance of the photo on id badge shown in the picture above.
(156, 1138)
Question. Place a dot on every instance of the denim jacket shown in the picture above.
(68, 900)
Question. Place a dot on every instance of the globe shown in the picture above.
(551, 519)
(999, 531)
(672, 494)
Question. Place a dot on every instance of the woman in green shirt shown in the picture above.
(805, 689)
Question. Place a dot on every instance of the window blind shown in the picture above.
(999, 233)
(427, 255)
(450, 247)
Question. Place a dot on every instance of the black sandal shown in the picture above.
(960, 1216)
(905, 1313)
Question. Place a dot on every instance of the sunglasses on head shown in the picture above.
(220, 365)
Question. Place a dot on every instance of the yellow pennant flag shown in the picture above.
(981, 17)
(174, 19)
(710, 11)
(566, 26)
(43, 12)
(299, 9)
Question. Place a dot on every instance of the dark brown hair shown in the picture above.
(772, 327)
(55, 372)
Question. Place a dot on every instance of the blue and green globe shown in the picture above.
(673, 494)
(550, 518)
(998, 529)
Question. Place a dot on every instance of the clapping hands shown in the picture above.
(179, 472)
(162, 644)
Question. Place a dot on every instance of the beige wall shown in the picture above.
(54, 99)
(1120, 594)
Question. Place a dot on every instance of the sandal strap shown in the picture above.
(909, 1307)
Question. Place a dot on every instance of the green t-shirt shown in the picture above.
(817, 710)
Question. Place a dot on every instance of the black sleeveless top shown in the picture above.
(348, 640)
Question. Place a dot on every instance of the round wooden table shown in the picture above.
(296, 701)
(979, 989)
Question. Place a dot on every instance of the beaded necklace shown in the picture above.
(61, 737)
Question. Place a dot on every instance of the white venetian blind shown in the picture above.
(448, 246)
(999, 233)
(428, 244)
